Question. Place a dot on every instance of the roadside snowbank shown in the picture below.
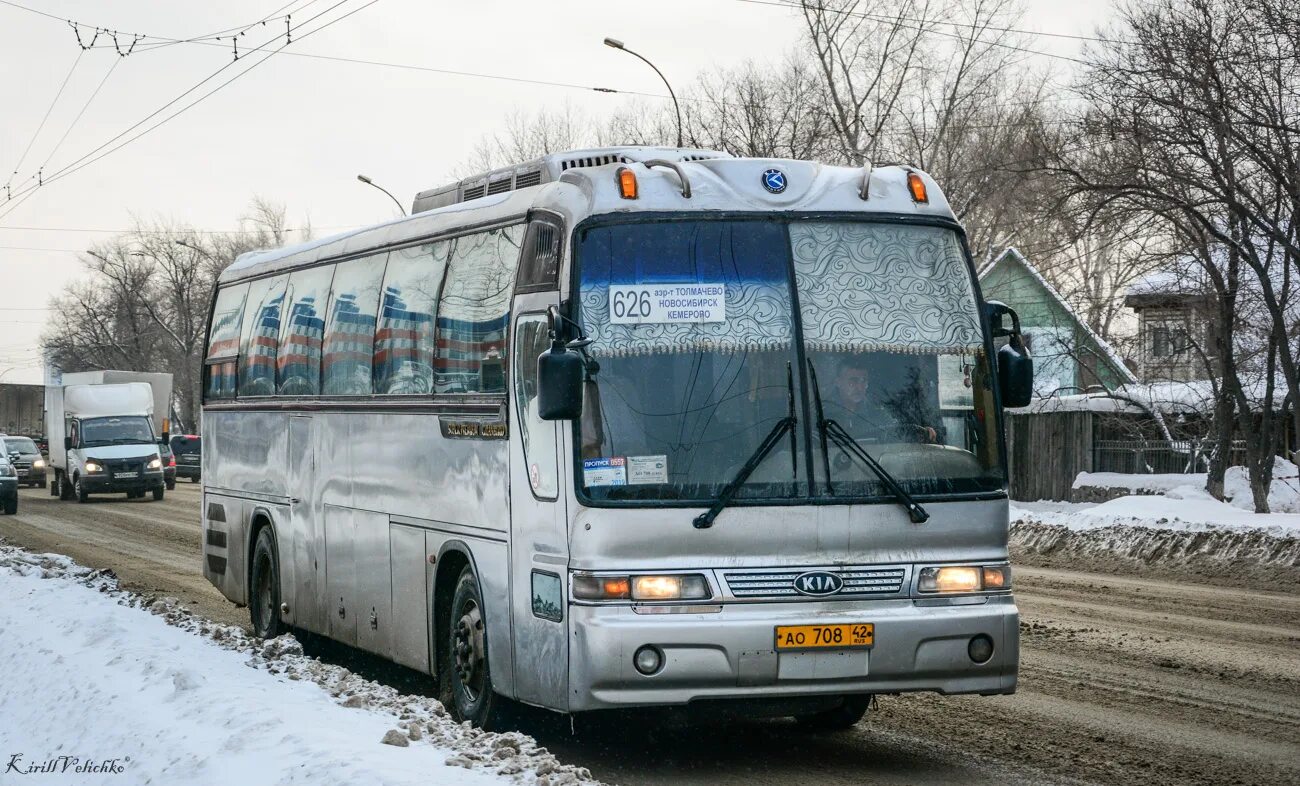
(132, 697)
(1183, 532)
(1180, 508)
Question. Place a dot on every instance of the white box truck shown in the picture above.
(105, 438)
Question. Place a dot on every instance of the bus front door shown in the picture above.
(538, 530)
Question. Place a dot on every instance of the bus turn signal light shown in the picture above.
(917, 186)
(626, 183)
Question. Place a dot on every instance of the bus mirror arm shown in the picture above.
(1014, 364)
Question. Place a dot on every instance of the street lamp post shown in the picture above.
(370, 182)
(194, 248)
(614, 43)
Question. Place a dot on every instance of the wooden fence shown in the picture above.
(1046, 451)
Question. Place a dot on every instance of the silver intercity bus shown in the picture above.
(624, 428)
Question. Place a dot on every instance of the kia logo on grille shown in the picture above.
(818, 582)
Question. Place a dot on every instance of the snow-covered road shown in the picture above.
(98, 690)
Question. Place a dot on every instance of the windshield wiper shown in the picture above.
(787, 423)
(844, 441)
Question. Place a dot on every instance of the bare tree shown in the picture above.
(144, 305)
(1171, 134)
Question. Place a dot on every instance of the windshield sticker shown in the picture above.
(640, 304)
(604, 471)
(647, 469)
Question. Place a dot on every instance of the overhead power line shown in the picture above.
(898, 20)
(165, 231)
(41, 125)
(95, 155)
(970, 25)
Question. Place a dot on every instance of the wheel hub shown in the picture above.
(467, 648)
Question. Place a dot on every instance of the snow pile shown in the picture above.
(1187, 507)
(128, 697)
(1150, 484)
(1283, 494)
(1181, 532)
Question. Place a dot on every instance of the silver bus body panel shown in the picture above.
(770, 536)
(374, 519)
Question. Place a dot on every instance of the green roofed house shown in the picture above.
(1068, 356)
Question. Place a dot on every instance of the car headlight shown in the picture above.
(964, 578)
(155, 463)
(8, 470)
(682, 586)
(38, 464)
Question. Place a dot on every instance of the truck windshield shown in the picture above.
(131, 430)
(698, 324)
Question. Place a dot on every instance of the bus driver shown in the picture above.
(863, 416)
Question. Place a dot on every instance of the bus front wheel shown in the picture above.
(264, 599)
(467, 679)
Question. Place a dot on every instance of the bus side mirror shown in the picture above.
(67, 443)
(559, 384)
(1015, 366)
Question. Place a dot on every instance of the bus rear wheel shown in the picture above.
(466, 676)
(264, 595)
(841, 718)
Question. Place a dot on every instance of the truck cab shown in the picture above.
(102, 441)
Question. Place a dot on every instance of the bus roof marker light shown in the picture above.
(626, 183)
(917, 186)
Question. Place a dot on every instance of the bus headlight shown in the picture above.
(678, 586)
(93, 467)
(155, 463)
(688, 586)
(964, 578)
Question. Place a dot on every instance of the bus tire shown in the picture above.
(841, 718)
(264, 586)
(79, 490)
(467, 678)
(54, 485)
(65, 488)
(157, 495)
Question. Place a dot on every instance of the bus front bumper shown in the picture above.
(730, 654)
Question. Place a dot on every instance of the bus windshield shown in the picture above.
(708, 333)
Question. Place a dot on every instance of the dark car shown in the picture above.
(28, 462)
(169, 465)
(8, 487)
(187, 449)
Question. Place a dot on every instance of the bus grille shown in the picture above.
(779, 583)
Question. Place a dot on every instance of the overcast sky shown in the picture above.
(297, 130)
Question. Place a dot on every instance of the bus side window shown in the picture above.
(539, 265)
(350, 326)
(404, 336)
(223, 342)
(474, 312)
(300, 335)
(260, 343)
(538, 436)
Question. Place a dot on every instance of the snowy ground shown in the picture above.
(1166, 527)
(1184, 508)
(103, 686)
